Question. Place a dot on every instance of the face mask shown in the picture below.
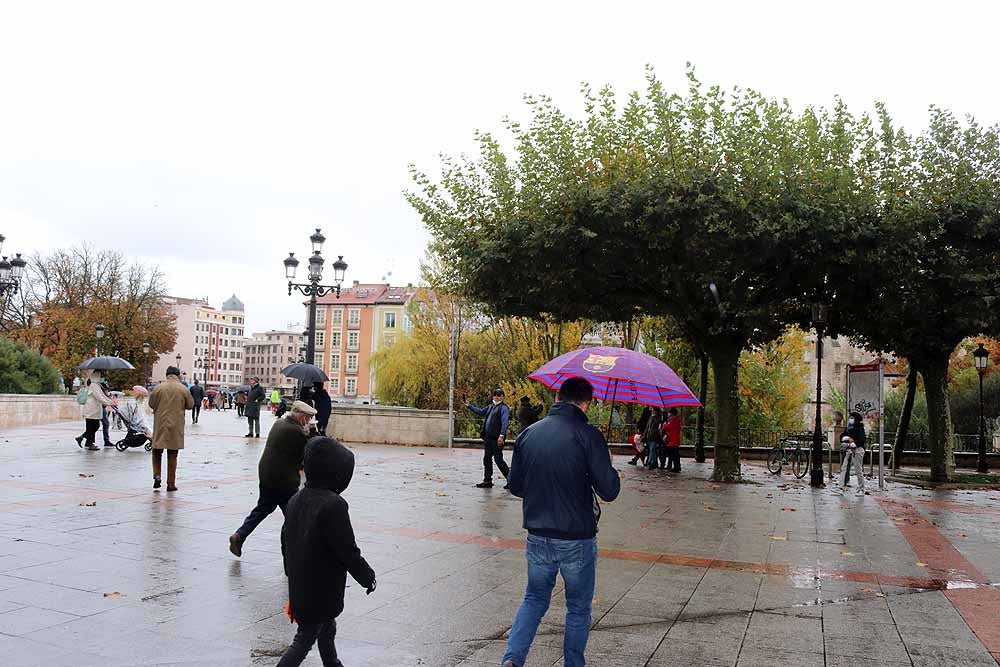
(497, 400)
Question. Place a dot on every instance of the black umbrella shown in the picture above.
(106, 364)
(305, 372)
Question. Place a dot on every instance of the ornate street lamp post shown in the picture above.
(99, 332)
(313, 289)
(982, 357)
(146, 347)
(820, 315)
(10, 271)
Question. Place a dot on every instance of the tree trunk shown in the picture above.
(903, 428)
(935, 374)
(725, 364)
(699, 445)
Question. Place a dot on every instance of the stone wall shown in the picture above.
(18, 410)
(389, 425)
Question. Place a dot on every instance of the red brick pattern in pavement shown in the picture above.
(978, 605)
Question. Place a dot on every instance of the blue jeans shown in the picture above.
(577, 561)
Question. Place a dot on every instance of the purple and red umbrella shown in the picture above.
(620, 374)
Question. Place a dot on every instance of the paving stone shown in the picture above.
(690, 572)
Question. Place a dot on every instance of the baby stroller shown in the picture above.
(137, 433)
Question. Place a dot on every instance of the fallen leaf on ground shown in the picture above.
(440, 493)
(788, 509)
(868, 590)
(89, 503)
(846, 553)
(708, 508)
(919, 564)
(83, 474)
(113, 594)
(778, 537)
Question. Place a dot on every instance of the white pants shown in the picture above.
(856, 458)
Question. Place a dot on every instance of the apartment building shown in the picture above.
(350, 329)
(209, 341)
(267, 352)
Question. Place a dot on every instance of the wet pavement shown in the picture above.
(98, 569)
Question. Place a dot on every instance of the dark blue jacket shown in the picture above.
(496, 422)
(558, 465)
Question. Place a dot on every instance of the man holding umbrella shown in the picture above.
(493, 433)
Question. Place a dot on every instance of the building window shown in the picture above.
(318, 359)
(390, 320)
(352, 363)
(335, 385)
(335, 340)
(320, 339)
(354, 317)
(352, 386)
(321, 316)
(353, 337)
(337, 317)
(335, 362)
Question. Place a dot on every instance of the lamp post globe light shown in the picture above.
(99, 332)
(982, 357)
(10, 271)
(820, 317)
(313, 289)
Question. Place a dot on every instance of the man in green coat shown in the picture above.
(278, 469)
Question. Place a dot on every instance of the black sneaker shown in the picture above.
(236, 545)
(248, 435)
(93, 448)
(156, 482)
(79, 441)
(632, 462)
(484, 485)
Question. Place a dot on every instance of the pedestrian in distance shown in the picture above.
(494, 433)
(169, 403)
(561, 465)
(105, 417)
(671, 450)
(255, 399)
(220, 401)
(241, 401)
(323, 405)
(275, 399)
(278, 470)
(638, 439)
(319, 550)
(93, 401)
(527, 414)
(198, 394)
(653, 438)
(853, 443)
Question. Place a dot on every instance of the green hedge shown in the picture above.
(24, 371)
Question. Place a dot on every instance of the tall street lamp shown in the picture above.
(982, 357)
(99, 332)
(313, 289)
(10, 271)
(820, 316)
(178, 358)
(146, 347)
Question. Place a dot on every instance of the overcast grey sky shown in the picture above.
(209, 138)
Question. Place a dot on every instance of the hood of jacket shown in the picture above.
(328, 464)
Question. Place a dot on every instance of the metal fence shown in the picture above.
(468, 425)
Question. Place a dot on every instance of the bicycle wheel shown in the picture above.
(800, 463)
(775, 460)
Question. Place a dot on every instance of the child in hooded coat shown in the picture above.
(318, 547)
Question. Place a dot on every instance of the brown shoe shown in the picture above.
(171, 488)
(236, 545)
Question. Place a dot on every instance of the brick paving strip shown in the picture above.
(969, 592)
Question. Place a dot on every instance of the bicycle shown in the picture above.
(785, 454)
